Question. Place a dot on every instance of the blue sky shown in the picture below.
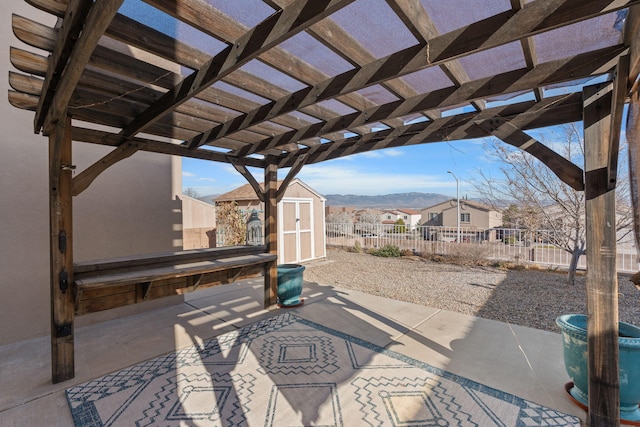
(421, 168)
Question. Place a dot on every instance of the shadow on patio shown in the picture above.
(522, 361)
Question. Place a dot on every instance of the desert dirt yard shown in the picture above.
(526, 297)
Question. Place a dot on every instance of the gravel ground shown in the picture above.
(532, 298)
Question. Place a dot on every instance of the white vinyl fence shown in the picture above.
(515, 245)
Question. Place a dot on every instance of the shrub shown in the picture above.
(510, 240)
(470, 254)
(232, 223)
(399, 226)
(463, 255)
(387, 251)
(357, 248)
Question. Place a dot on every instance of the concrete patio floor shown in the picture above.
(522, 361)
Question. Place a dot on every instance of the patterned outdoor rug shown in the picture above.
(287, 371)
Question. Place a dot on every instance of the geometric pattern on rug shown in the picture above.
(286, 370)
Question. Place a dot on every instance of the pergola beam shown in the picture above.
(568, 172)
(242, 169)
(418, 20)
(295, 169)
(111, 61)
(506, 27)
(95, 23)
(72, 25)
(632, 39)
(152, 146)
(61, 250)
(549, 112)
(602, 280)
(583, 65)
(204, 17)
(528, 49)
(271, 232)
(618, 98)
(269, 33)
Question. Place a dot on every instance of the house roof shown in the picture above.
(450, 204)
(409, 211)
(246, 192)
(295, 82)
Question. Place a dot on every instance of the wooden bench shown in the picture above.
(105, 284)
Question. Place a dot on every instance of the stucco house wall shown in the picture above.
(129, 209)
(199, 223)
(481, 216)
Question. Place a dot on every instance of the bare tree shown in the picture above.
(339, 223)
(368, 221)
(540, 201)
(191, 192)
(369, 216)
(339, 218)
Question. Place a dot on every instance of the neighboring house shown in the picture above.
(472, 215)
(411, 218)
(301, 223)
(198, 224)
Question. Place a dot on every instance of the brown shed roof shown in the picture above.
(246, 192)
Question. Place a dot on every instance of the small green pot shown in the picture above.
(289, 284)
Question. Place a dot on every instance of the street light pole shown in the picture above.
(457, 202)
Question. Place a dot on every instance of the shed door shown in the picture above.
(296, 220)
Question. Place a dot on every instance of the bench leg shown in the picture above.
(270, 286)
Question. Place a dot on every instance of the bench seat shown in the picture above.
(170, 272)
(105, 284)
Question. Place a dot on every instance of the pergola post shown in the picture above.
(61, 248)
(271, 233)
(602, 282)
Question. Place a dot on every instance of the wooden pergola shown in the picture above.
(279, 84)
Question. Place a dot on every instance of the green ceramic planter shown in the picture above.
(574, 334)
(289, 284)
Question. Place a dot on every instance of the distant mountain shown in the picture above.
(388, 201)
(208, 199)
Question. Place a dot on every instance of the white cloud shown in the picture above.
(332, 179)
(186, 174)
(379, 154)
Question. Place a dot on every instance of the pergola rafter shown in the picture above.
(156, 90)
(527, 115)
(491, 32)
(584, 65)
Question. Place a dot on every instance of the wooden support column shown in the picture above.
(271, 232)
(61, 248)
(602, 282)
